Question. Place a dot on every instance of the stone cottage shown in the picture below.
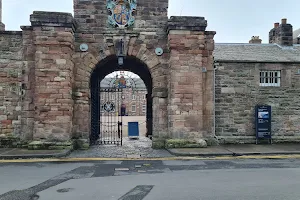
(258, 74)
(51, 70)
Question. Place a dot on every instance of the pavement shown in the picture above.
(17, 153)
(132, 148)
(141, 149)
(151, 180)
(239, 150)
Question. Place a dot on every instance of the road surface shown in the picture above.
(152, 180)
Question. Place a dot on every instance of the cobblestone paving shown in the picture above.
(140, 148)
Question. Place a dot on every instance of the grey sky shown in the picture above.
(234, 20)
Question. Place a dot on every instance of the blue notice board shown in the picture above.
(133, 129)
(263, 119)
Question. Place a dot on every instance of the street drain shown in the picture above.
(64, 190)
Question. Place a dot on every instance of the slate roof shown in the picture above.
(239, 52)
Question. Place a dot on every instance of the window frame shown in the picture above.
(270, 78)
(133, 110)
(144, 108)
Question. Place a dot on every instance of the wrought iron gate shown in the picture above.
(106, 126)
(110, 122)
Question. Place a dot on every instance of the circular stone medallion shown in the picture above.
(159, 51)
(84, 47)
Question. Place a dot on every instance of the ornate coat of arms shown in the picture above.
(120, 82)
(121, 12)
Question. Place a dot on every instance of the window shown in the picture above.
(133, 108)
(270, 78)
(144, 97)
(144, 108)
(133, 97)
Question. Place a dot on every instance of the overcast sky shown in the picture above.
(235, 21)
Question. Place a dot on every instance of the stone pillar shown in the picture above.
(54, 43)
(2, 26)
(28, 83)
(160, 101)
(191, 104)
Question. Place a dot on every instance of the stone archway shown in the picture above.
(86, 63)
(102, 69)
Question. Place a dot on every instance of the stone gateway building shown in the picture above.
(51, 70)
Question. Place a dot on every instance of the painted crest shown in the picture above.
(120, 82)
(121, 12)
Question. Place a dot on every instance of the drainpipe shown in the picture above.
(214, 99)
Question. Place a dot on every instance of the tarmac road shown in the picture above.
(242, 179)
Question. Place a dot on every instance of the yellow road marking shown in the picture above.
(296, 156)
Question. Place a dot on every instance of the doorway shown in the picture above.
(119, 95)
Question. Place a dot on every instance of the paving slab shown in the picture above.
(4, 150)
(26, 154)
(266, 149)
(242, 149)
(210, 151)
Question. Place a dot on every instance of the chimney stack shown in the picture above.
(282, 34)
(276, 25)
(2, 26)
(283, 21)
(255, 40)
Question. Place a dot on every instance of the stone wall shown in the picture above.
(11, 66)
(237, 93)
(53, 37)
(190, 106)
(92, 15)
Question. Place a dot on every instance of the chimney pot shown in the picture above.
(283, 21)
(276, 25)
(255, 40)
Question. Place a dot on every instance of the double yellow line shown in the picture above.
(296, 156)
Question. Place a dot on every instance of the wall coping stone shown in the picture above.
(10, 32)
(187, 23)
(26, 28)
(53, 19)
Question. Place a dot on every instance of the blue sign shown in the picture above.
(263, 119)
(133, 129)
